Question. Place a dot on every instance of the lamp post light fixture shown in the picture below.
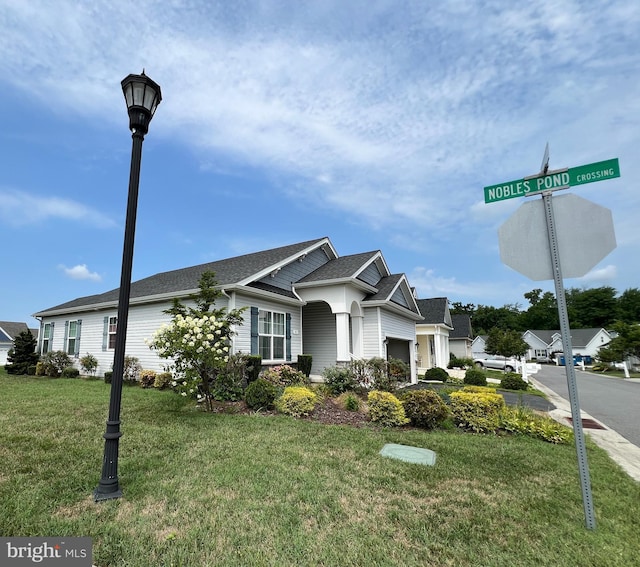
(142, 96)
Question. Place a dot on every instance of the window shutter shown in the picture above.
(254, 330)
(78, 330)
(288, 332)
(105, 329)
(66, 336)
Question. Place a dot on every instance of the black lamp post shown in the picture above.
(142, 96)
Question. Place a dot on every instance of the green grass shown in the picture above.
(216, 489)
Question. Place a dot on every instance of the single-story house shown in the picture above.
(478, 346)
(585, 342)
(432, 334)
(300, 299)
(461, 336)
(9, 330)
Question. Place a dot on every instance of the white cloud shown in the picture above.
(81, 272)
(602, 276)
(18, 208)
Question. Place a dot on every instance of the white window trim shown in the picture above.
(273, 335)
(73, 338)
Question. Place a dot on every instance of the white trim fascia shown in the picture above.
(269, 269)
(359, 284)
(247, 290)
(392, 307)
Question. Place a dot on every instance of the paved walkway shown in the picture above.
(623, 452)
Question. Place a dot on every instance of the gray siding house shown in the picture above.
(301, 298)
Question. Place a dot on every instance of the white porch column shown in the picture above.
(357, 338)
(342, 337)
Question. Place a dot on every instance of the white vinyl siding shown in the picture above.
(320, 340)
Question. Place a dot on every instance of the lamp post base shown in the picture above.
(99, 494)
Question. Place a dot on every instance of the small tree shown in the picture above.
(506, 343)
(624, 345)
(197, 341)
(23, 354)
(89, 364)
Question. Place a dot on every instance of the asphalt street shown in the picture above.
(615, 402)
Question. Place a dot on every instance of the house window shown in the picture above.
(72, 337)
(46, 338)
(271, 335)
(113, 327)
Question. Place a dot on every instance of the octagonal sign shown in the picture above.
(584, 232)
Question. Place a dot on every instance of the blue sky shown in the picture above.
(376, 123)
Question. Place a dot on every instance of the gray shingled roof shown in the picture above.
(339, 268)
(461, 327)
(228, 271)
(579, 337)
(12, 329)
(433, 310)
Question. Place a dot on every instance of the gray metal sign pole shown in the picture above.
(583, 466)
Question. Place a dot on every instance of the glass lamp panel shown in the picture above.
(138, 94)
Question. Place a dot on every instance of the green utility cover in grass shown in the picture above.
(409, 454)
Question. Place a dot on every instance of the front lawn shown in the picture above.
(221, 489)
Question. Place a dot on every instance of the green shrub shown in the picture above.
(163, 380)
(398, 369)
(147, 378)
(253, 367)
(89, 364)
(305, 361)
(70, 372)
(55, 362)
(381, 376)
(41, 368)
(131, 370)
(479, 412)
(296, 401)
(385, 409)
(349, 401)
(436, 373)
(513, 381)
(108, 376)
(284, 376)
(31, 370)
(524, 421)
(424, 408)
(339, 379)
(475, 377)
(260, 394)
(460, 362)
(479, 389)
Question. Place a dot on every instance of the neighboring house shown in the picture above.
(585, 342)
(301, 298)
(432, 334)
(478, 346)
(9, 330)
(461, 337)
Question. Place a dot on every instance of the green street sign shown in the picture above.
(571, 177)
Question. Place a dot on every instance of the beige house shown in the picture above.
(432, 334)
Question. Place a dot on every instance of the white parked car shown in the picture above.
(498, 363)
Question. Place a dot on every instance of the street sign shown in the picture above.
(584, 231)
(571, 177)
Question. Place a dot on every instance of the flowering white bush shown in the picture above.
(196, 342)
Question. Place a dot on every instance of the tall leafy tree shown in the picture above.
(628, 308)
(592, 308)
(542, 312)
(487, 317)
(507, 343)
(23, 354)
(624, 345)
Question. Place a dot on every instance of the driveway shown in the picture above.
(612, 401)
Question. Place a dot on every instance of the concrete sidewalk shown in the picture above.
(623, 452)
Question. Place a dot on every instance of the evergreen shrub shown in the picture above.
(296, 401)
(163, 380)
(475, 377)
(513, 381)
(385, 409)
(253, 367)
(108, 375)
(305, 361)
(436, 373)
(478, 412)
(70, 372)
(260, 394)
(424, 408)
